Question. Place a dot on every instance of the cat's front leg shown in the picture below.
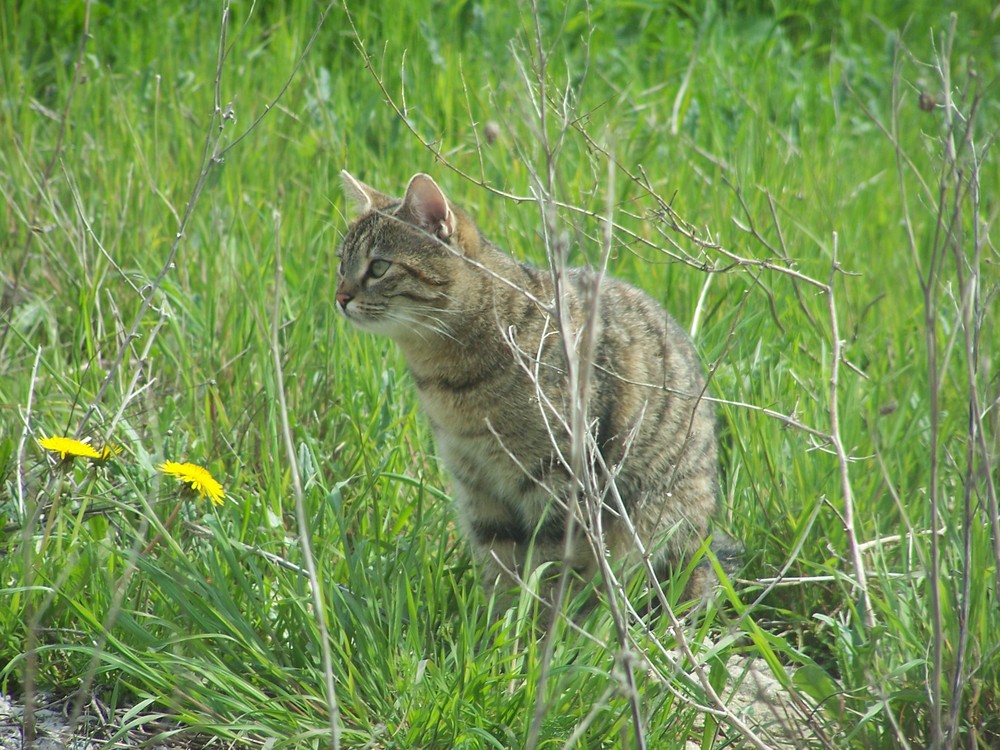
(538, 563)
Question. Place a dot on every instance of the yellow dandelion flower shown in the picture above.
(69, 448)
(110, 450)
(198, 477)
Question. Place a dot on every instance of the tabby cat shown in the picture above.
(490, 371)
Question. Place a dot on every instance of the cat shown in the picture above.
(476, 330)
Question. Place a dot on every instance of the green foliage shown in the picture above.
(759, 123)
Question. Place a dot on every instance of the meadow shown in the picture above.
(811, 190)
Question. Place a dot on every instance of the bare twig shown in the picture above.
(961, 154)
(300, 513)
(210, 153)
(847, 492)
(671, 221)
(578, 351)
(27, 517)
(213, 153)
(958, 231)
(929, 285)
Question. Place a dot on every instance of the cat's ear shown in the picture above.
(428, 207)
(364, 197)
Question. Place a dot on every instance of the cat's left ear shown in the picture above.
(427, 204)
(364, 197)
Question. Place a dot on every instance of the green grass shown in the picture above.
(111, 574)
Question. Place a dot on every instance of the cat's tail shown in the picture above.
(704, 581)
(727, 551)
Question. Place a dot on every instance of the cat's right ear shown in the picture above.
(427, 204)
(364, 197)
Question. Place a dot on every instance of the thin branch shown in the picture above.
(847, 492)
(666, 214)
(277, 97)
(213, 153)
(301, 519)
(208, 163)
(929, 283)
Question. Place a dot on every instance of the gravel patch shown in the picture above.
(98, 727)
(760, 701)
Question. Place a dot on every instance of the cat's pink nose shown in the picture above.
(343, 298)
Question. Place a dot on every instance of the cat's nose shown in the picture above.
(343, 298)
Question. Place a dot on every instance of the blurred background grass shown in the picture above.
(759, 115)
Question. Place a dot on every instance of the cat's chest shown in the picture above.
(497, 471)
(493, 440)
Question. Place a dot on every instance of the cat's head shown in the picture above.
(402, 261)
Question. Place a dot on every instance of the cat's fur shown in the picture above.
(469, 321)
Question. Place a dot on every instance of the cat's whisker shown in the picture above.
(427, 324)
(433, 309)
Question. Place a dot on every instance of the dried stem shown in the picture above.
(301, 519)
(959, 230)
(847, 491)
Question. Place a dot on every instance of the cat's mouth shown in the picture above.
(350, 310)
(400, 325)
(368, 321)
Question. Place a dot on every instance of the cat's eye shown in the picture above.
(377, 268)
